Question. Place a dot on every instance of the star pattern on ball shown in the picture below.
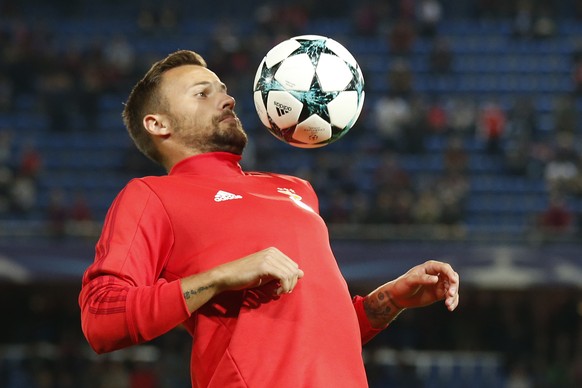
(313, 49)
(267, 80)
(314, 100)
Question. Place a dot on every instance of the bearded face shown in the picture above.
(200, 112)
(223, 132)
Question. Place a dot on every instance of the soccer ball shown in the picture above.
(308, 91)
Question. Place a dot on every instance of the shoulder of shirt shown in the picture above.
(274, 175)
(145, 179)
(145, 182)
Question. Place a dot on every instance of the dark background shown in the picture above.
(503, 186)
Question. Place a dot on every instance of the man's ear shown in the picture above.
(156, 124)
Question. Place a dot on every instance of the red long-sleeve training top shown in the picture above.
(206, 212)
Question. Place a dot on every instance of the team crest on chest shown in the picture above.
(296, 198)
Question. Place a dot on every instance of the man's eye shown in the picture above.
(201, 94)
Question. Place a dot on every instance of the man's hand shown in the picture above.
(421, 286)
(258, 269)
(254, 270)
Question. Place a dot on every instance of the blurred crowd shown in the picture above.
(62, 81)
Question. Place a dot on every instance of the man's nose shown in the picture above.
(228, 102)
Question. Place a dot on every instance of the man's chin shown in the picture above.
(238, 150)
(235, 146)
(228, 137)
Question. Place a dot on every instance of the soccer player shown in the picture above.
(241, 259)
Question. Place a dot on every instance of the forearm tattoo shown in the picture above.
(191, 293)
(381, 308)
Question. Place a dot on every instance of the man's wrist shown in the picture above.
(381, 308)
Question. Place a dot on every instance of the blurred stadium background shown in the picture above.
(468, 150)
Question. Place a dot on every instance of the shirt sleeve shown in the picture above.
(124, 300)
(367, 332)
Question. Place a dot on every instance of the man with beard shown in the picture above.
(241, 259)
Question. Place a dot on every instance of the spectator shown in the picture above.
(30, 164)
(557, 219)
(441, 56)
(437, 118)
(400, 78)
(452, 189)
(517, 157)
(462, 115)
(393, 112)
(523, 19)
(57, 214)
(415, 130)
(575, 186)
(24, 189)
(90, 91)
(264, 17)
(522, 123)
(540, 154)
(367, 18)
(562, 170)
(491, 125)
(429, 15)
(522, 129)
(391, 115)
(455, 156)
(23, 195)
(389, 173)
(278, 20)
(56, 90)
(427, 209)
(120, 58)
(401, 38)
(6, 147)
(565, 116)
(80, 210)
(545, 24)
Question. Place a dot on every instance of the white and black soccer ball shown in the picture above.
(309, 91)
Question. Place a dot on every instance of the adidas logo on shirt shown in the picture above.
(225, 196)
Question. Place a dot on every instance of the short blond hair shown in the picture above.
(145, 98)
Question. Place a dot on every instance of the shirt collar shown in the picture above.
(211, 163)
